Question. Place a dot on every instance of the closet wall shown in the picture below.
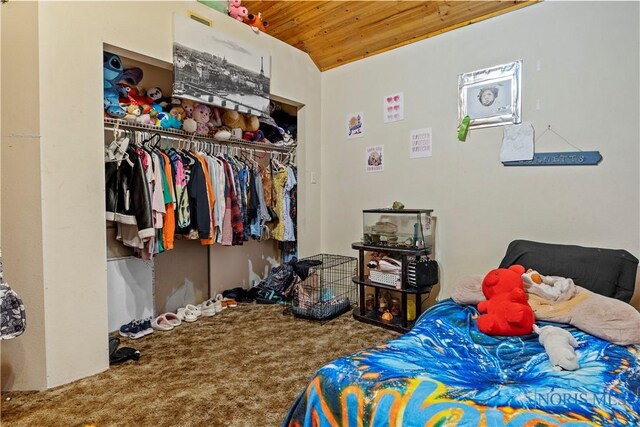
(60, 268)
(580, 75)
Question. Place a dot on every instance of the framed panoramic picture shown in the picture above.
(491, 97)
(212, 68)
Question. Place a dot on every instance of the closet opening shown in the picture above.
(192, 271)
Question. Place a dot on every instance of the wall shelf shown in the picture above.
(111, 124)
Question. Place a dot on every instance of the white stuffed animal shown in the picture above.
(559, 345)
(552, 285)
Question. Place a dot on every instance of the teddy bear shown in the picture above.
(133, 112)
(506, 310)
(237, 11)
(202, 115)
(188, 106)
(235, 120)
(560, 346)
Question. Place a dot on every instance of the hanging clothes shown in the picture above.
(156, 194)
(127, 195)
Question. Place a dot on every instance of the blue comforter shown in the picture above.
(445, 372)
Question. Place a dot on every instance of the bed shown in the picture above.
(446, 372)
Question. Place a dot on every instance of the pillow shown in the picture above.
(608, 272)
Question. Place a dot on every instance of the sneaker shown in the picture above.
(133, 330)
(147, 328)
(217, 303)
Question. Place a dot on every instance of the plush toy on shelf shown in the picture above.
(506, 310)
(189, 125)
(255, 21)
(133, 112)
(188, 106)
(202, 115)
(234, 120)
(167, 121)
(237, 11)
(113, 70)
(155, 94)
(215, 121)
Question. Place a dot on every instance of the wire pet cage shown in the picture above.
(327, 291)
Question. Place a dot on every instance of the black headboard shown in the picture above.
(608, 272)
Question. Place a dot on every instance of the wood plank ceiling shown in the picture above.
(335, 33)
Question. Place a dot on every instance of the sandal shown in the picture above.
(113, 345)
(161, 323)
(207, 308)
(123, 354)
(186, 315)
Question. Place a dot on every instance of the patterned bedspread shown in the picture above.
(445, 372)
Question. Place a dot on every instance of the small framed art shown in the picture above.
(491, 97)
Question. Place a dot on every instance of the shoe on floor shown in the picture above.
(173, 319)
(123, 354)
(186, 314)
(146, 326)
(217, 303)
(196, 311)
(229, 302)
(207, 308)
(133, 330)
(113, 345)
(161, 323)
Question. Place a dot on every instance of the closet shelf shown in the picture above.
(110, 124)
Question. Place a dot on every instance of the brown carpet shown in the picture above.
(243, 367)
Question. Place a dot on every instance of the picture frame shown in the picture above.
(492, 96)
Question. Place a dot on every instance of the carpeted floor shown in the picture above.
(240, 368)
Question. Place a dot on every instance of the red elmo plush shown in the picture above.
(507, 311)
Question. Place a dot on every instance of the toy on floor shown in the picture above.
(506, 310)
(559, 345)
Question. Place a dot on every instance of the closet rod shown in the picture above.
(180, 135)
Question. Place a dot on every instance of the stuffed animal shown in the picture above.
(145, 119)
(256, 22)
(188, 106)
(189, 125)
(234, 120)
(112, 70)
(155, 93)
(551, 285)
(559, 345)
(216, 120)
(506, 310)
(133, 112)
(237, 11)
(177, 112)
(167, 121)
(202, 115)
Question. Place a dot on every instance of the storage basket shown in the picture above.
(383, 278)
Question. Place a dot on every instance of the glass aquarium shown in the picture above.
(405, 228)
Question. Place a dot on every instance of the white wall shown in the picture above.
(70, 38)
(580, 67)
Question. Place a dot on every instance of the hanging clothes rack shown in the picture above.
(192, 140)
